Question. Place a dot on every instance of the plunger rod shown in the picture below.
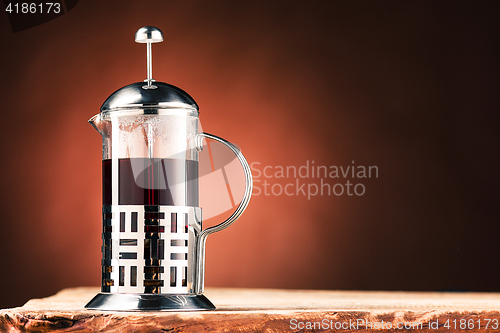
(150, 63)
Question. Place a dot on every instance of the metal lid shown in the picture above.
(149, 94)
(134, 96)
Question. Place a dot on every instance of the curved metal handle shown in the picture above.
(200, 246)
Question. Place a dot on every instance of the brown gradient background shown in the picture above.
(411, 87)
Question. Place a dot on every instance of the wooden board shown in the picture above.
(268, 310)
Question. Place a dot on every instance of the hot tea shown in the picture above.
(152, 181)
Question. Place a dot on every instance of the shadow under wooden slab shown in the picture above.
(254, 310)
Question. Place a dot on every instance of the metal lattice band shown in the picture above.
(149, 249)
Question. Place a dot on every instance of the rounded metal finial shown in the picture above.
(149, 35)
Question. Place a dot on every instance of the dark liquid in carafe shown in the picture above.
(152, 181)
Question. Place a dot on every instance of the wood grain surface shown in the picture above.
(269, 310)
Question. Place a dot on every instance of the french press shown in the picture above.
(153, 253)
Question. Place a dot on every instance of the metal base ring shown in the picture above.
(149, 302)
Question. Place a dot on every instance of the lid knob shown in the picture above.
(149, 35)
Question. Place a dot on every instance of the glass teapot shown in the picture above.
(153, 253)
